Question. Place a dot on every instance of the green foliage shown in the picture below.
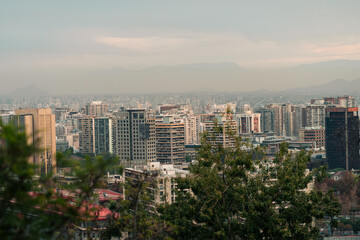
(235, 196)
(188, 158)
(231, 193)
(30, 207)
(136, 214)
(356, 226)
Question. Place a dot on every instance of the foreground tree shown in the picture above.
(136, 217)
(30, 207)
(238, 193)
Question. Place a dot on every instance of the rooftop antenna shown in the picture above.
(346, 136)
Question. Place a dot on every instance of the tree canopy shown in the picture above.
(239, 193)
(234, 192)
(32, 207)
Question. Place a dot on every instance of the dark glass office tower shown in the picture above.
(335, 137)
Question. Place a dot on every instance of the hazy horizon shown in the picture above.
(58, 45)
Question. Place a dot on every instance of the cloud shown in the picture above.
(142, 44)
(189, 47)
(338, 49)
(97, 50)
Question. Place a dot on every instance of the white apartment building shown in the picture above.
(192, 130)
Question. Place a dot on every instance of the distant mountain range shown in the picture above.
(28, 91)
(318, 78)
(339, 86)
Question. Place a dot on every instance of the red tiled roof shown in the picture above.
(106, 195)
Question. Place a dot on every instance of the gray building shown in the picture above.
(134, 137)
(267, 119)
(95, 136)
(315, 116)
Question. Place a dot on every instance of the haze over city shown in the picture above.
(83, 47)
(166, 120)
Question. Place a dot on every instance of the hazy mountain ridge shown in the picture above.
(28, 91)
(211, 77)
(339, 86)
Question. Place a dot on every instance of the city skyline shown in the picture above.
(179, 119)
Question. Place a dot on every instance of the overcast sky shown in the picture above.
(92, 35)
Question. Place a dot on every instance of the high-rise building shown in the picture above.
(342, 138)
(283, 119)
(298, 113)
(134, 137)
(95, 135)
(315, 116)
(192, 130)
(276, 124)
(61, 131)
(248, 122)
(5, 116)
(39, 126)
(267, 119)
(287, 123)
(348, 101)
(170, 140)
(244, 108)
(300, 118)
(86, 135)
(60, 114)
(228, 127)
(343, 101)
(96, 108)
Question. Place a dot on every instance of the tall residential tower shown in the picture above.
(134, 137)
(39, 126)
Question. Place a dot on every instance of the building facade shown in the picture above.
(222, 131)
(161, 179)
(39, 126)
(134, 137)
(267, 119)
(316, 135)
(315, 116)
(248, 122)
(192, 130)
(342, 135)
(95, 135)
(170, 140)
(96, 108)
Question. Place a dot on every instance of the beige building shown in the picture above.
(315, 116)
(95, 136)
(222, 131)
(316, 135)
(86, 135)
(162, 178)
(39, 126)
(192, 130)
(96, 108)
(170, 140)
